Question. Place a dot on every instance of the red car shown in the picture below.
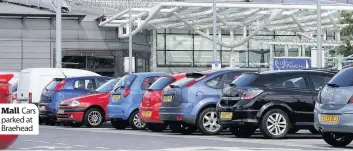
(89, 110)
(149, 108)
(6, 97)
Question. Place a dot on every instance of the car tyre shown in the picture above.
(207, 122)
(119, 125)
(156, 127)
(337, 139)
(279, 127)
(93, 117)
(242, 132)
(135, 122)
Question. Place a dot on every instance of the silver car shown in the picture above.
(334, 109)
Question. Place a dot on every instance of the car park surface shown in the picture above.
(190, 103)
(274, 101)
(126, 98)
(60, 89)
(152, 99)
(88, 110)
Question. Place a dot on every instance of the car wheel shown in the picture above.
(242, 132)
(76, 124)
(93, 117)
(120, 125)
(293, 130)
(207, 122)
(337, 139)
(313, 131)
(157, 127)
(275, 124)
(135, 122)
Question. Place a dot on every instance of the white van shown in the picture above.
(33, 81)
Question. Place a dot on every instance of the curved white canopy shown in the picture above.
(254, 16)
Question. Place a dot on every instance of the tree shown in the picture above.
(346, 48)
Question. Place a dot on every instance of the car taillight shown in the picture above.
(60, 85)
(30, 97)
(14, 97)
(350, 100)
(126, 92)
(251, 93)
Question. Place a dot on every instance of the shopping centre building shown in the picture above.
(169, 36)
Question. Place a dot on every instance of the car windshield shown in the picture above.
(161, 83)
(342, 79)
(107, 86)
(126, 81)
(245, 80)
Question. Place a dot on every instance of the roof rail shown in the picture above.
(324, 69)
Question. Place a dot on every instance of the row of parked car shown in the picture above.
(241, 100)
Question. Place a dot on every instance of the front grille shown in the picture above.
(63, 115)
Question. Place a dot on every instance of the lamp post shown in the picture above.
(130, 39)
(318, 36)
(58, 35)
(215, 62)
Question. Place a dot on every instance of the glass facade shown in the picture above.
(176, 48)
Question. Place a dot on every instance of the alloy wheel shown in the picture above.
(138, 122)
(94, 118)
(276, 124)
(210, 122)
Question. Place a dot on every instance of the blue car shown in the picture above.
(190, 103)
(60, 89)
(126, 97)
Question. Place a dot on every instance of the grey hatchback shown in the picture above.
(334, 109)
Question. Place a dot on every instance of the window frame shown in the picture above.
(312, 86)
(305, 78)
(150, 78)
(221, 84)
(92, 79)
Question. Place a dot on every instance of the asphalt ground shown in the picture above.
(108, 138)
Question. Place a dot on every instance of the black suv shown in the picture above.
(277, 102)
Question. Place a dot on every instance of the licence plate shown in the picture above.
(226, 115)
(330, 118)
(116, 97)
(167, 98)
(42, 108)
(146, 113)
(60, 111)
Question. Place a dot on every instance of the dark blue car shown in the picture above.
(190, 103)
(60, 89)
(125, 100)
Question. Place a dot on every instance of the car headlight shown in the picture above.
(75, 103)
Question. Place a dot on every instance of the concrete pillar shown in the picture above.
(153, 58)
(271, 56)
(119, 63)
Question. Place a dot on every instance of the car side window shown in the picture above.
(230, 77)
(84, 84)
(319, 81)
(215, 82)
(296, 82)
(147, 82)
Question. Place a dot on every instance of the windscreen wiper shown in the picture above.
(333, 85)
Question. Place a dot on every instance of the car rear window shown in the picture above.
(343, 78)
(53, 84)
(126, 81)
(161, 83)
(245, 80)
(107, 86)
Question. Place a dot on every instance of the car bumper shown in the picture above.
(71, 114)
(240, 117)
(118, 112)
(344, 124)
(153, 118)
(181, 113)
(46, 113)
